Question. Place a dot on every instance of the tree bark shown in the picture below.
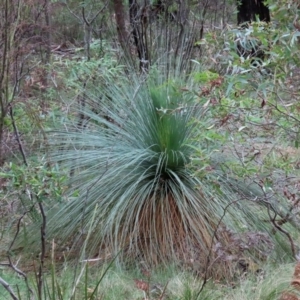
(138, 21)
(248, 10)
(120, 20)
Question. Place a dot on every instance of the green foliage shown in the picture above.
(205, 77)
(79, 76)
(41, 179)
(156, 161)
(35, 182)
(260, 85)
(145, 162)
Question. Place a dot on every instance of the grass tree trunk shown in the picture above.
(249, 10)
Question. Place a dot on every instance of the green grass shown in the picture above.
(172, 282)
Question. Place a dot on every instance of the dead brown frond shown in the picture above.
(295, 284)
(288, 296)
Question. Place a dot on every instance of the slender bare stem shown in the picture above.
(8, 288)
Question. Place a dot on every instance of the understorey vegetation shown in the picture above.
(149, 150)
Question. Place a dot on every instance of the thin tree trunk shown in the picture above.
(4, 66)
(48, 31)
(120, 20)
(138, 23)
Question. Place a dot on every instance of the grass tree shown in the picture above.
(134, 186)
